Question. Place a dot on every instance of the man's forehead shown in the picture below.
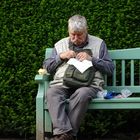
(77, 31)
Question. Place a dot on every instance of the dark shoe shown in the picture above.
(64, 136)
(74, 138)
(55, 138)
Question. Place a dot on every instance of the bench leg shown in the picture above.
(39, 119)
(48, 124)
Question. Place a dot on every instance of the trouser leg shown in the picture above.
(78, 105)
(56, 101)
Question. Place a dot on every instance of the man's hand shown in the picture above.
(67, 54)
(83, 56)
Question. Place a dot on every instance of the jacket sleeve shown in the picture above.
(104, 63)
(51, 63)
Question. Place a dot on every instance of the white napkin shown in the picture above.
(80, 65)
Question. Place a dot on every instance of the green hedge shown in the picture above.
(29, 26)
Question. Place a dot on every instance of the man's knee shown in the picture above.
(83, 94)
(83, 89)
(55, 92)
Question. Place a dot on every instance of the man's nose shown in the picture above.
(76, 37)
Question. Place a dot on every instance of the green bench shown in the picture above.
(126, 75)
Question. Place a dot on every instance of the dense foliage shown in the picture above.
(27, 27)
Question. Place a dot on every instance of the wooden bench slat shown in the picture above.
(132, 53)
(123, 72)
(132, 73)
(117, 89)
(114, 74)
(117, 100)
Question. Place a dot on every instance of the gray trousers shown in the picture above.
(69, 119)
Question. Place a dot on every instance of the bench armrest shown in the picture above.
(43, 84)
(41, 78)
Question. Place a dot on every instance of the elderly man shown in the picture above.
(66, 122)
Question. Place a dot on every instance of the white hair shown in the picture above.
(77, 23)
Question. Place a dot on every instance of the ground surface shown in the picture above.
(118, 136)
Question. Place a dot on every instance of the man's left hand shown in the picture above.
(83, 56)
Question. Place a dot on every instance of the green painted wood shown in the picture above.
(123, 103)
(132, 53)
(132, 72)
(40, 112)
(48, 52)
(117, 89)
(41, 115)
(48, 124)
(115, 103)
(114, 74)
(123, 72)
(41, 78)
(117, 100)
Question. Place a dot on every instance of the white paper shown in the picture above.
(81, 66)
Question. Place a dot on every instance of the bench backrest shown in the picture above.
(127, 70)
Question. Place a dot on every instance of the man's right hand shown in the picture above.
(67, 54)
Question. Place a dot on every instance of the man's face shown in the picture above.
(77, 37)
